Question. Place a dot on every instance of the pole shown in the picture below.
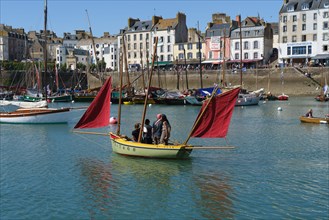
(159, 82)
(143, 79)
(120, 93)
(200, 58)
(94, 48)
(177, 86)
(126, 61)
(224, 63)
(44, 79)
(185, 68)
(240, 50)
(148, 89)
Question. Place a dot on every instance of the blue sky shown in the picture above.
(111, 16)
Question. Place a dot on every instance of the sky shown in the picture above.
(112, 15)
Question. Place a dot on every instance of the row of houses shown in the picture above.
(301, 36)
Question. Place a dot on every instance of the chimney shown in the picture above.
(106, 34)
(156, 19)
(131, 22)
(285, 1)
(237, 18)
(181, 17)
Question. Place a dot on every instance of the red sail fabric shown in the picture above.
(98, 113)
(216, 119)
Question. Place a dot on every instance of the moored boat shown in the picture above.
(36, 116)
(315, 120)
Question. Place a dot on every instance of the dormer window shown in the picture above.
(305, 6)
(290, 8)
(326, 4)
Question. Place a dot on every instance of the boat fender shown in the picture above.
(113, 120)
(279, 109)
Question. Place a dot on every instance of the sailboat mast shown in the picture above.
(120, 93)
(148, 89)
(224, 54)
(44, 79)
(94, 48)
(200, 57)
(240, 49)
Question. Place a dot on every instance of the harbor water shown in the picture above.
(278, 169)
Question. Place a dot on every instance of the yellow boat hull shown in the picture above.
(123, 146)
(314, 120)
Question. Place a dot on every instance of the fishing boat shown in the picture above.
(212, 122)
(22, 104)
(36, 116)
(283, 97)
(315, 120)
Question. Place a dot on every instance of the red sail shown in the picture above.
(216, 119)
(98, 113)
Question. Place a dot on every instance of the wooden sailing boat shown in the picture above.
(37, 115)
(212, 122)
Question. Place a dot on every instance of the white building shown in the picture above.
(304, 31)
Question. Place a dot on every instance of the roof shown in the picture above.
(299, 5)
(218, 30)
(163, 24)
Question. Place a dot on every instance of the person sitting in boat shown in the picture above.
(147, 132)
(166, 129)
(157, 129)
(309, 113)
(135, 132)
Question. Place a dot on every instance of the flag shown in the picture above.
(215, 120)
(98, 113)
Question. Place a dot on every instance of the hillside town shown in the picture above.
(300, 37)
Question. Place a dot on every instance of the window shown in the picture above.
(168, 48)
(294, 18)
(305, 6)
(181, 56)
(128, 37)
(128, 46)
(147, 45)
(325, 14)
(189, 46)
(161, 57)
(315, 26)
(309, 49)
(284, 28)
(304, 17)
(141, 46)
(140, 36)
(303, 27)
(315, 16)
(197, 46)
(255, 44)
(294, 28)
(168, 39)
(161, 40)
(303, 37)
(181, 47)
(245, 56)
(255, 55)
(290, 8)
(147, 36)
(135, 46)
(315, 37)
(210, 55)
(189, 55)
(135, 55)
(294, 38)
(284, 19)
(325, 48)
(161, 49)
(325, 25)
(168, 57)
(289, 50)
(246, 45)
(198, 55)
(284, 39)
(236, 45)
(135, 37)
(236, 56)
(299, 50)
(325, 36)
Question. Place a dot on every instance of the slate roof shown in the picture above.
(297, 4)
(218, 30)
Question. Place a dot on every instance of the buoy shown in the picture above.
(264, 101)
(113, 120)
(150, 105)
(72, 101)
(279, 109)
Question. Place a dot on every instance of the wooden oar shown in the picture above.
(90, 132)
(210, 148)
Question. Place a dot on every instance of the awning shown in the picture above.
(244, 61)
(212, 61)
(162, 63)
(321, 57)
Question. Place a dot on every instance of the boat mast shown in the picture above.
(126, 62)
(240, 50)
(44, 79)
(120, 93)
(148, 90)
(200, 57)
(224, 64)
(94, 48)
